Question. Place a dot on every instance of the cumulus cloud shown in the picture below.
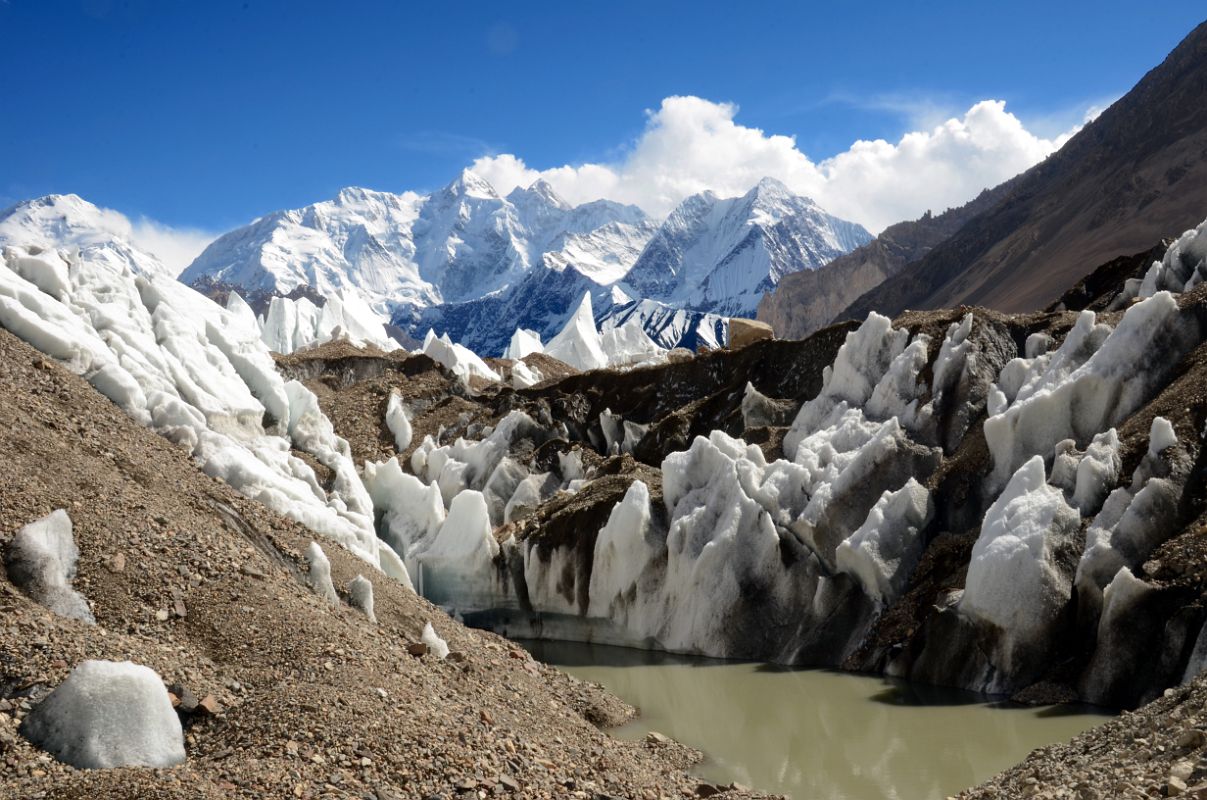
(175, 247)
(690, 144)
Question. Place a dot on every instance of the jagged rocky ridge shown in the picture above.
(961, 497)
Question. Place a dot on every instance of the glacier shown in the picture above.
(1009, 444)
(796, 558)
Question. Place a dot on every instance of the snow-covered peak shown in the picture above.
(64, 221)
(600, 213)
(770, 201)
(770, 187)
(471, 184)
(722, 254)
(56, 219)
(361, 239)
(372, 202)
(539, 194)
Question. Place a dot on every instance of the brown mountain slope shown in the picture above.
(1136, 174)
(808, 300)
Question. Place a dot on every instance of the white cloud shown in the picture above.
(690, 144)
(175, 247)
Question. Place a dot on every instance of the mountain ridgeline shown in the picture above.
(471, 263)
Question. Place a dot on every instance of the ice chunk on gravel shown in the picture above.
(398, 420)
(360, 593)
(108, 714)
(320, 574)
(437, 646)
(41, 562)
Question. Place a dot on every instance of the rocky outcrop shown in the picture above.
(748, 331)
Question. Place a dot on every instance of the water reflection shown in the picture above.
(818, 734)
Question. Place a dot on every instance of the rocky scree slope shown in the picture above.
(298, 698)
(167, 564)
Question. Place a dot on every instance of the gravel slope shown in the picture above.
(207, 588)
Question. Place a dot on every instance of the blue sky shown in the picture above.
(207, 114)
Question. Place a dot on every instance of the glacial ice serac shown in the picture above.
(196, 373)
(290, 325)
(791, 559)
(739, 526)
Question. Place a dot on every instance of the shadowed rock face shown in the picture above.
(807, 301)
(1130, 177)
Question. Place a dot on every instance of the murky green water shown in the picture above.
(818, 735)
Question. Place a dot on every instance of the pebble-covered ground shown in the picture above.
(282, 694)
(1159, 750)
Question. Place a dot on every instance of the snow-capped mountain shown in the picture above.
(361, 239)
(404, 253)
(722, 254)
(710, 259)
(67, 221)
(468, 262)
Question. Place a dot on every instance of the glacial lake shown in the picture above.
(817, 734)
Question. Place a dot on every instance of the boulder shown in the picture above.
(743, 332)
